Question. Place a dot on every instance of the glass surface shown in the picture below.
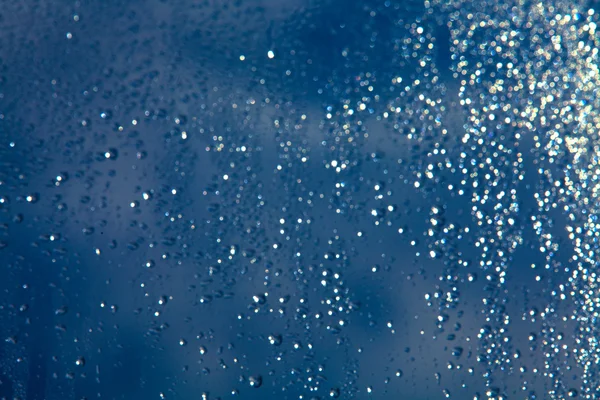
(299, 199)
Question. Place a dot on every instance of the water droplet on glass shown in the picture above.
(255, 381)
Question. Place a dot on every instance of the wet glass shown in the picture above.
(299, 199)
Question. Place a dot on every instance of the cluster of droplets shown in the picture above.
(552, 52)
(569, 141)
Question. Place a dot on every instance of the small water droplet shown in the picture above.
(255, 381)
(275, 340)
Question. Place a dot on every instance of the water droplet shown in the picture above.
(275, 340)
(255, 381)
(61, 310)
